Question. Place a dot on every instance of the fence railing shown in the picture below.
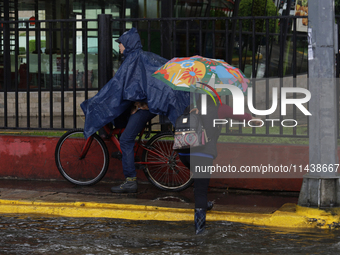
(43, 88)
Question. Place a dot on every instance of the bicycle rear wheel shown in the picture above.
(164, 169)
(86, 170)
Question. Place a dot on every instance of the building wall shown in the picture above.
(28, 157)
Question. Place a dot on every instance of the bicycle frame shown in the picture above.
(113, 138)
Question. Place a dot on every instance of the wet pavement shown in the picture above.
(39, 233)
(36, 234)
(62, 199)
(242, 201)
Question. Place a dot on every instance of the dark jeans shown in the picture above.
(201, 181)
(134, 126)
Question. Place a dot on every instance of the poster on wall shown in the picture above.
(301, 9)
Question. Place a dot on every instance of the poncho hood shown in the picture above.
(133, 82)
(131, 41)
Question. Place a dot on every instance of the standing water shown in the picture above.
(24, 234)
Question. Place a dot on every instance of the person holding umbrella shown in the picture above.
(204, 157)
(193, 74)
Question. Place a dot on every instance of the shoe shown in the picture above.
(210, 205)
(200, 214)
(129, 186)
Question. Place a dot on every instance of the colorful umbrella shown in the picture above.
(195, 73)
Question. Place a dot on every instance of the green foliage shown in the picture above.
(337, 7)
(22, 50)
(247, 9)
(32, 45)
(217, 13)
(220, 24)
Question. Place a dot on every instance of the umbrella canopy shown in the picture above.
(196, 72)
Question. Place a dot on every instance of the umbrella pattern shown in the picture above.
(193, 72)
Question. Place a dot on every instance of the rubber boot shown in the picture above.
(129, 186)
(200, 214)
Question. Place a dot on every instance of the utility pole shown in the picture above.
(321, 186)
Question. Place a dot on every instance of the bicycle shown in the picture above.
(85, 161)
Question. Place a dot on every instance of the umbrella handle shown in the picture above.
(213, 90)
(195, 105)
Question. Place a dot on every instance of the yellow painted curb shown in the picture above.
(288, 216)
(327, 218)
(89, 209)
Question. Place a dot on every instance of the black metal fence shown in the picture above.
(45, 92)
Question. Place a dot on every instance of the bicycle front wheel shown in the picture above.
(163, 168)
(76, 166)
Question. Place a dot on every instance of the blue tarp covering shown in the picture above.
(133, 82)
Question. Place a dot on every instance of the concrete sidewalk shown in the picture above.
(60, 198)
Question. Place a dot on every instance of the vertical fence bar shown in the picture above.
(16, 85)
(187, 37)
(74, 71)
(200, 38)
(62, 99)
(7, 68)
(281, 38)
(86, 66)
(175, 39)
(28, 76)
(253, 70)
(38, 25)
(227, 57)
(162, 41)
(267, 72)
(67, 50)
(240, 45)
(254, 50)
(226, 43)
(7, 59)
(213, 39)
(294, 70)
(51, 73)
(281, 67)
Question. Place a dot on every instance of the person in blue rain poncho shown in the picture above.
(133, 85)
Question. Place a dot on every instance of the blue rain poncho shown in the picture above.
(133, 82)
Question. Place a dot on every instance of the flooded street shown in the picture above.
(25, 234)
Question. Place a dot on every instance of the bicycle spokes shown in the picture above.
(163, 166)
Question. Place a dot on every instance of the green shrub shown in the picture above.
(22, 50)
(245, 10)
(32, 45)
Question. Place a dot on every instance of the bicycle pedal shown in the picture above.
(116, 155)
